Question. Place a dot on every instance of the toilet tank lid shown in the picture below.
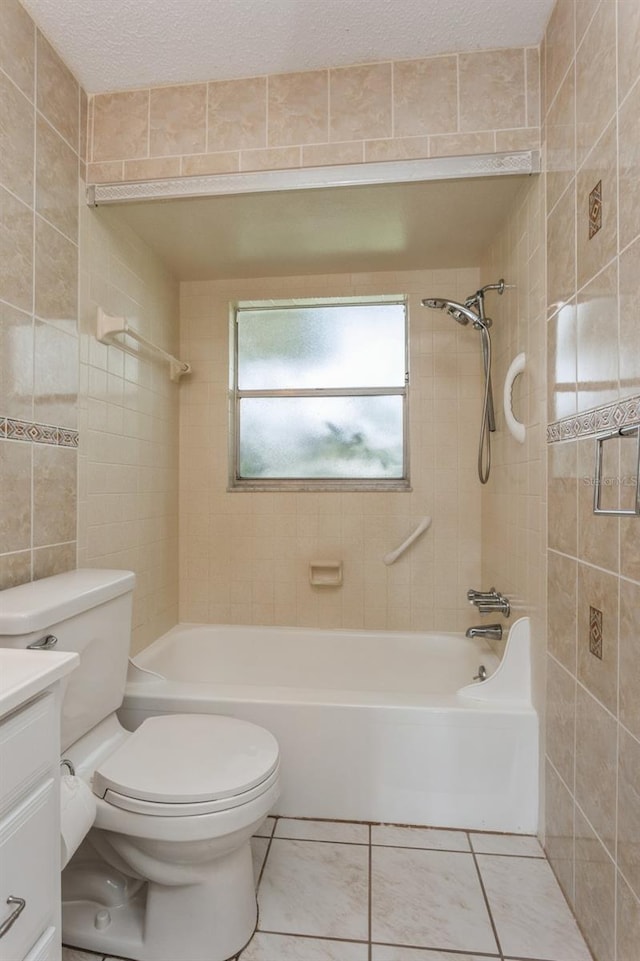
(39, 604)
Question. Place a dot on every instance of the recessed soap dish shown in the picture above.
(325, 573)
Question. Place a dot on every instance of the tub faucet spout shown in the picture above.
(493, 632)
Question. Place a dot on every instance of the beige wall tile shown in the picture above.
(319, 155)
(15, 504)
(14, 569)
(532, 64)
(585, 10)
(560, 141)
(54, 495)
(596, 78)
(120, 126)
(16, 362)
(629, 168)
(275, 158)
(559, 47)
(237, 114)
(54, 560)
(561, 720)
(524, 138)
(598, 349)
(104, 173)
(153, 169)
(594, 891)
(178, 119)
(298, 108)
(628, 928)
(628, 46)
(456, 145)
(16, 140)
(562, 363)
(16, 251)
(56, 180)
(56, 276)
(598, 535)
(215, 163)
(600, 165)
(55, 390)
(559, 830)
(561, 251)
(629, 677)
(628, 850)
(562, 611)
(596, 746)
(629, 541)
(599, 590)
(563, 498)
(492, 90)
(360, 102)
(629, 352)
(17, 45)
(425, 96)
(397, 148)
(58, 93)
(84, 126)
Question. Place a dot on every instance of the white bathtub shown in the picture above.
(372, 726)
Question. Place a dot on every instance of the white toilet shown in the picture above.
(165, 873)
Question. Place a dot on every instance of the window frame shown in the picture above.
(239, 483)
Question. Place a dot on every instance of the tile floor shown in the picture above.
(343, 891)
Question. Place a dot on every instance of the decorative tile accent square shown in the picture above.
(595, 210)
(595, 631)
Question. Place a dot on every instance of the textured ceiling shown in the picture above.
(119, 44)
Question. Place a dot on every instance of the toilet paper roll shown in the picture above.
(77, 814)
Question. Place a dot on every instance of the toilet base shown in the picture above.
(208, 921)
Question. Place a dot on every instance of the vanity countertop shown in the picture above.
(23, 674)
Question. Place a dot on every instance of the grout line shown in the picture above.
(488, 907)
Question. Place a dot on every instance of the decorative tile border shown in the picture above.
(11, 429)
(621, 414)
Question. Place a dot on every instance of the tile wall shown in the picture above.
(449, 105)
(514, 499)
(244, 556)
(592, 104)
(40, 144)
(128, 420)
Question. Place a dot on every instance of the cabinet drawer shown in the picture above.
(29, 848)
(28, 747)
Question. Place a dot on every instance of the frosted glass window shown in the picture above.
(320, 394)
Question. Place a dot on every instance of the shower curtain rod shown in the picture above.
(108, 327)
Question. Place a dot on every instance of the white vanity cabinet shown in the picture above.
(30, 803)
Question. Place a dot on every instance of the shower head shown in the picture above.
(458, 311)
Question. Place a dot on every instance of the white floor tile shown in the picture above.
(429, 898)
(517, 844)
(287, 947)
(382, 952)
(434, 838)
(345, 831)
(530, 913)
(259, 847)
(75, 954)
(266, 830)
(315, 888)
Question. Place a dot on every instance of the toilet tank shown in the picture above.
(89, 612)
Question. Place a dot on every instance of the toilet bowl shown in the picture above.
(165, 872)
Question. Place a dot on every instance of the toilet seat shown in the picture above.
(188, 764)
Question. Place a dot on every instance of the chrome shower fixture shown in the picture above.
(472, 312)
